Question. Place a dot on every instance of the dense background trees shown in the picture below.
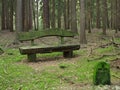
(66, 14)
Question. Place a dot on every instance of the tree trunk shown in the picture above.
(3, 15)
(59, 14)
(104, 14)
(88, 18)
(67, 14)
(19, 18)
(53, 14)
(98, 21)
(82, 23)
(73, 16)
(30, 14)
(46, 21)
(37, 14)
(11, 16)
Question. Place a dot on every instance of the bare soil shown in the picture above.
(115, 63)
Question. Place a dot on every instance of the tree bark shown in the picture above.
(98, 21)
(53, 14)
(46, 21)
(19, 18)
(82, 23)
(104, 14)
(73, 16)
(3, 15)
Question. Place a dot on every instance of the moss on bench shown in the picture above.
(31, 51)
(27, 36)
(47, 49)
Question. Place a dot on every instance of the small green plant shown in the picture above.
(16, 74)
(102, 74)
(1, 51)
(63, 65)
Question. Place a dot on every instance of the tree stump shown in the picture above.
(102, 74)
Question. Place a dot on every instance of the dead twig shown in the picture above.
(115, 76)
(102, 56)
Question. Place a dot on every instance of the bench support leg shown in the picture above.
(68, 54)
(31, 57)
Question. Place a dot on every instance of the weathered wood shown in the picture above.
(28, 36)
(31, 57)
(68, 54)
(32, 50)
(47, 49)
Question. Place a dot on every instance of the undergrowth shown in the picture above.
(17, 76)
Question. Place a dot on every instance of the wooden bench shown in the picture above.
(32, 50)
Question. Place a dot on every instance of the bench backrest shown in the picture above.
(30, 36)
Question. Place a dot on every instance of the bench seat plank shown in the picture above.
(47, 49)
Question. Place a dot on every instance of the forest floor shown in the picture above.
(46, 74)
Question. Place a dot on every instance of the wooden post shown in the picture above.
(62, 40)
(68, 54)
(32, 43)
(31, 57)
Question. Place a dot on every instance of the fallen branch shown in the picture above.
(115, 76)
(66, 79)
(102, 56)
(111, 43)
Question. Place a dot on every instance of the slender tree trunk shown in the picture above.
(30, 14)
(98, 21)
(113, 13)
(11, 16)
(34, 15)
(118, 15)
(89, 16)
(19, 18)
(82, 23)
(46, 21)
(59, 14)
(37, 2)
(65, 14)
(104, 19)
(3, 15)
(53, 14)
(107, 17)
(73, 16)
(68, 15)
(7, 14)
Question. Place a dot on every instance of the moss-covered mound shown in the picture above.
(102, 74)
